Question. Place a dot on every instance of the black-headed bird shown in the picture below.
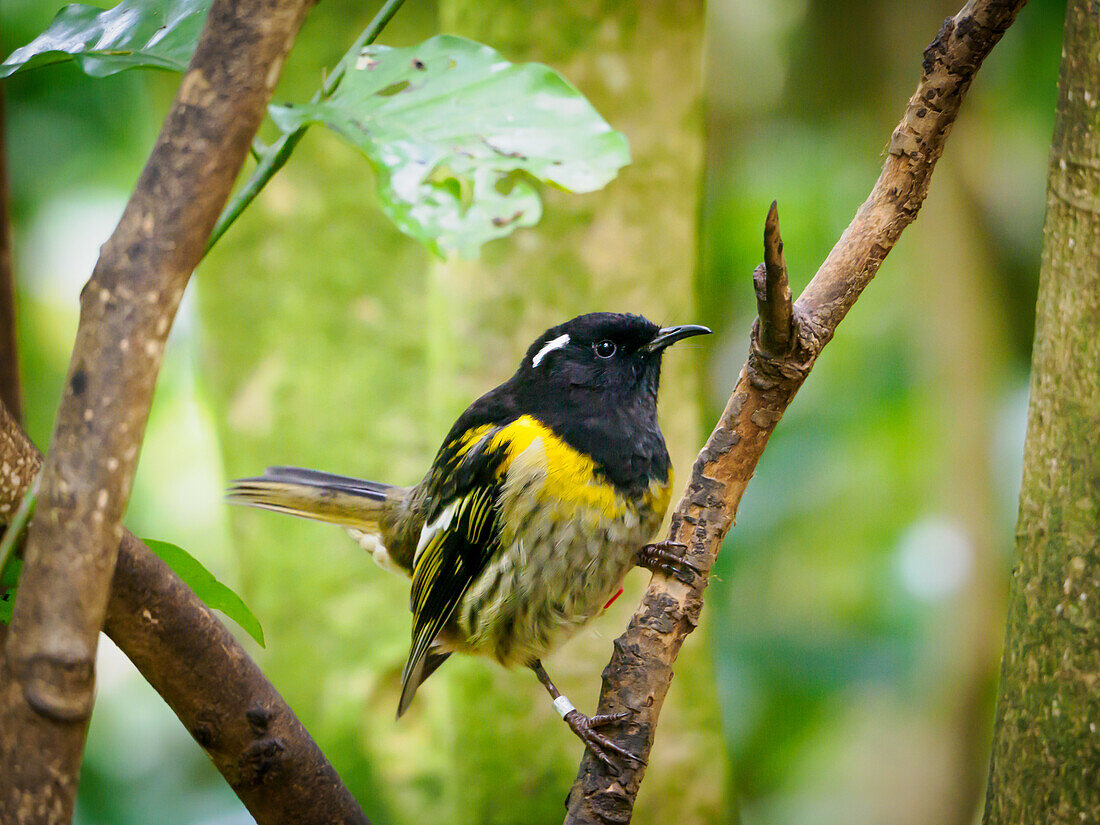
(543, 496)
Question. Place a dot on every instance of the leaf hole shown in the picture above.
(505, 184)
(445, 179)
(394, 88)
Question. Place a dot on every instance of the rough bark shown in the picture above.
(638, 676)
(127, 308)
(1046, 753)
(202, 672)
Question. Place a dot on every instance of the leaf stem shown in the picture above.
(276, 155)
(18, 524)
(366, 37)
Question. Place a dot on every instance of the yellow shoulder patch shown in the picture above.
(659, 494)
(570, 475)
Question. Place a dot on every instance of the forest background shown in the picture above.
(845, 667)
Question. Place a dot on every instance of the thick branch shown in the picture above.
(638, 675)
(126, 310)
(205, 676)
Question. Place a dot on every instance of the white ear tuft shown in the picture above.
(548, 347)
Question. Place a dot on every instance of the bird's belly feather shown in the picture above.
(565, 553)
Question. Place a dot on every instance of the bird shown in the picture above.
(544, 494)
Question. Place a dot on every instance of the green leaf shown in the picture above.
(159, 34)
(455, 134)
(206, 587)
(9, 578)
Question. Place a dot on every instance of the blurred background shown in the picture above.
(845, 667)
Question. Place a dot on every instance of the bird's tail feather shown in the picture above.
(424, 667)
(343, 500)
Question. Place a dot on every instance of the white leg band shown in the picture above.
(563, 706)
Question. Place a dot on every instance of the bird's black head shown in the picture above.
(613, 357)
(594, 381)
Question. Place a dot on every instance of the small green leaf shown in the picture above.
(158, 34)
(456, 134)
(206, 587)
(10, 564)
(9, 578)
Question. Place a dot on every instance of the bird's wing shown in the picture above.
(459, 538)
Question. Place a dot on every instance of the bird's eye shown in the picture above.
(605, 349)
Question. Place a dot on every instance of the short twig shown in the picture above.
(773, 292)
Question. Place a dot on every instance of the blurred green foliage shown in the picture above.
(868, 561)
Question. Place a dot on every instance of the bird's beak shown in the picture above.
(667, 336)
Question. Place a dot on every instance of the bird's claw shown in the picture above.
(585, 729)
(662, 558)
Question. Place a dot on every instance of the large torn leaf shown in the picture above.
(159, 34)
(456, 134)
(207, 587)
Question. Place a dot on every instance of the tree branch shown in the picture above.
(205, 676)
(127, 309)
(638, 675)
(773, 292)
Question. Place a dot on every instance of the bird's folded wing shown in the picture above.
(456, 544)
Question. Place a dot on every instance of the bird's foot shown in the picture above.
(668, 557)
(585, 728)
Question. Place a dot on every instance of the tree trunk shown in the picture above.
(1046, 751)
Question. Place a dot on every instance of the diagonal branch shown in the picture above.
(638, 675)
(205, 676)
(127, 309)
